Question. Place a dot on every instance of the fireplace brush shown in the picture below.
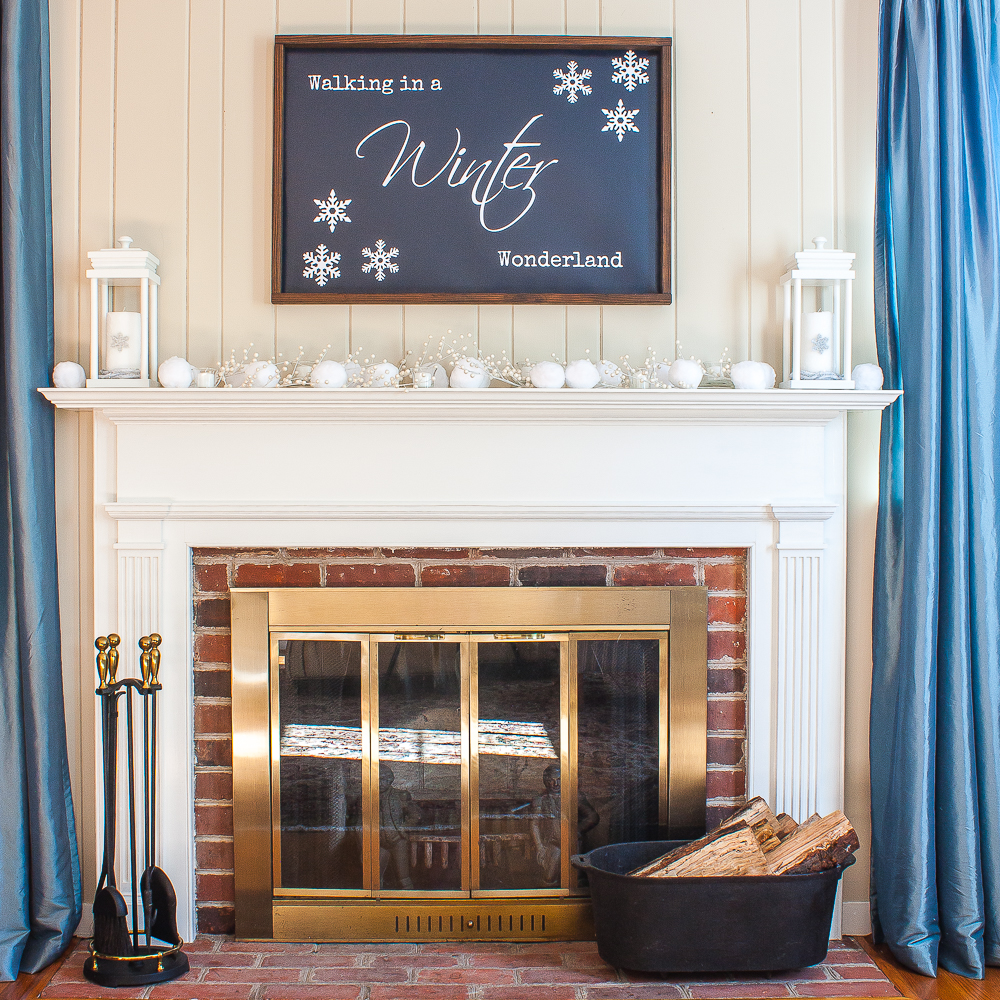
(117, 958)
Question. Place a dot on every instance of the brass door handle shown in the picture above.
(418, 636)
(518, 635)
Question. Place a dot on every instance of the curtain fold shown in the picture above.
(40, 892)
(935, 715)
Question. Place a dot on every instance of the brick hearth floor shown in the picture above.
(225, 969)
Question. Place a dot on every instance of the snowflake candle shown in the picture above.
(122, 345)
(817, 342)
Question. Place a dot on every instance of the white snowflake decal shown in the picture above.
(630, 70)
(119, 341)
(321, 266)
(571, 81)
(620, 120)
(332, 211)
(380, 260)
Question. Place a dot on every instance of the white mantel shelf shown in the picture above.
(798, 406)
(173, 470)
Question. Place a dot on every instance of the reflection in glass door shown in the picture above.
(619, 683)
(520, 731)
(322, 701)
(420, 745)
(457, 764)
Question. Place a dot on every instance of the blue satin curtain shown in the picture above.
(40, 893)
(935, 716)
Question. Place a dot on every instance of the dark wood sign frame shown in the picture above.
(283, 43)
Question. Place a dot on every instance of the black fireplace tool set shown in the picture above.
(118, 956)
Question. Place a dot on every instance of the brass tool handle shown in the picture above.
(144, 664)
(112, 661)
(101, 643)
(154, 658)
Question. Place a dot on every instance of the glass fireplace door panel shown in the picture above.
(318, 801)
(418, 775)
(520, 703)
(621, 685)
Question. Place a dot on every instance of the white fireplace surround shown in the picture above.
(175, 469)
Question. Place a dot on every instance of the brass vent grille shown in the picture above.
(512, 923)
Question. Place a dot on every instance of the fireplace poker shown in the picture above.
(130, 755)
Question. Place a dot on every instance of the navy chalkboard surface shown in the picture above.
(471, 169)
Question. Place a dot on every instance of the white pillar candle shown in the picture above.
(206, 378)
(123, 341)
(817, 342)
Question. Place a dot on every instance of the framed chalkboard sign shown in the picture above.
(471, 169)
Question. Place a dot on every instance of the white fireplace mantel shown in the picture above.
(175, 469)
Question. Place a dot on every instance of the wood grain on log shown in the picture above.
(758, 816)
(786, 825)
(817, 844)
(728, 850)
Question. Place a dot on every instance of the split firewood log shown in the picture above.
(758, 816)
(729, 850)
(786, 825)
(817, 844)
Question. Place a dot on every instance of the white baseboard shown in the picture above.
(857, 918)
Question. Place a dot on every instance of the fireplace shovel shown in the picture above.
(158, 897)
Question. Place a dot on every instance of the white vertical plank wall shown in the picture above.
(162, 131)
(206, 31)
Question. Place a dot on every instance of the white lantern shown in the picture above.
(122, 344)
(817, 319)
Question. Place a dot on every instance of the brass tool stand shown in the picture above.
(134, 963)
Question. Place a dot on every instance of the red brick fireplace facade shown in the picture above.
(722, 571)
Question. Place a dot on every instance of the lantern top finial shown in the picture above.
(126, 241)
(820, 262)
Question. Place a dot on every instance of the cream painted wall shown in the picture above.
(161, 124)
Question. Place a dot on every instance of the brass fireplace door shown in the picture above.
(432, 781)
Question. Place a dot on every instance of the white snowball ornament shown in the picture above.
(867, 377)
(260, 375)
(440, 376)
(355, 376)
(328, 375)
(381, 375)
(582, 374)
(175, 373)
(548, 375)
(685, 374)
(469, 373)
(752, 375)
(69, 375)
(609, 373)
